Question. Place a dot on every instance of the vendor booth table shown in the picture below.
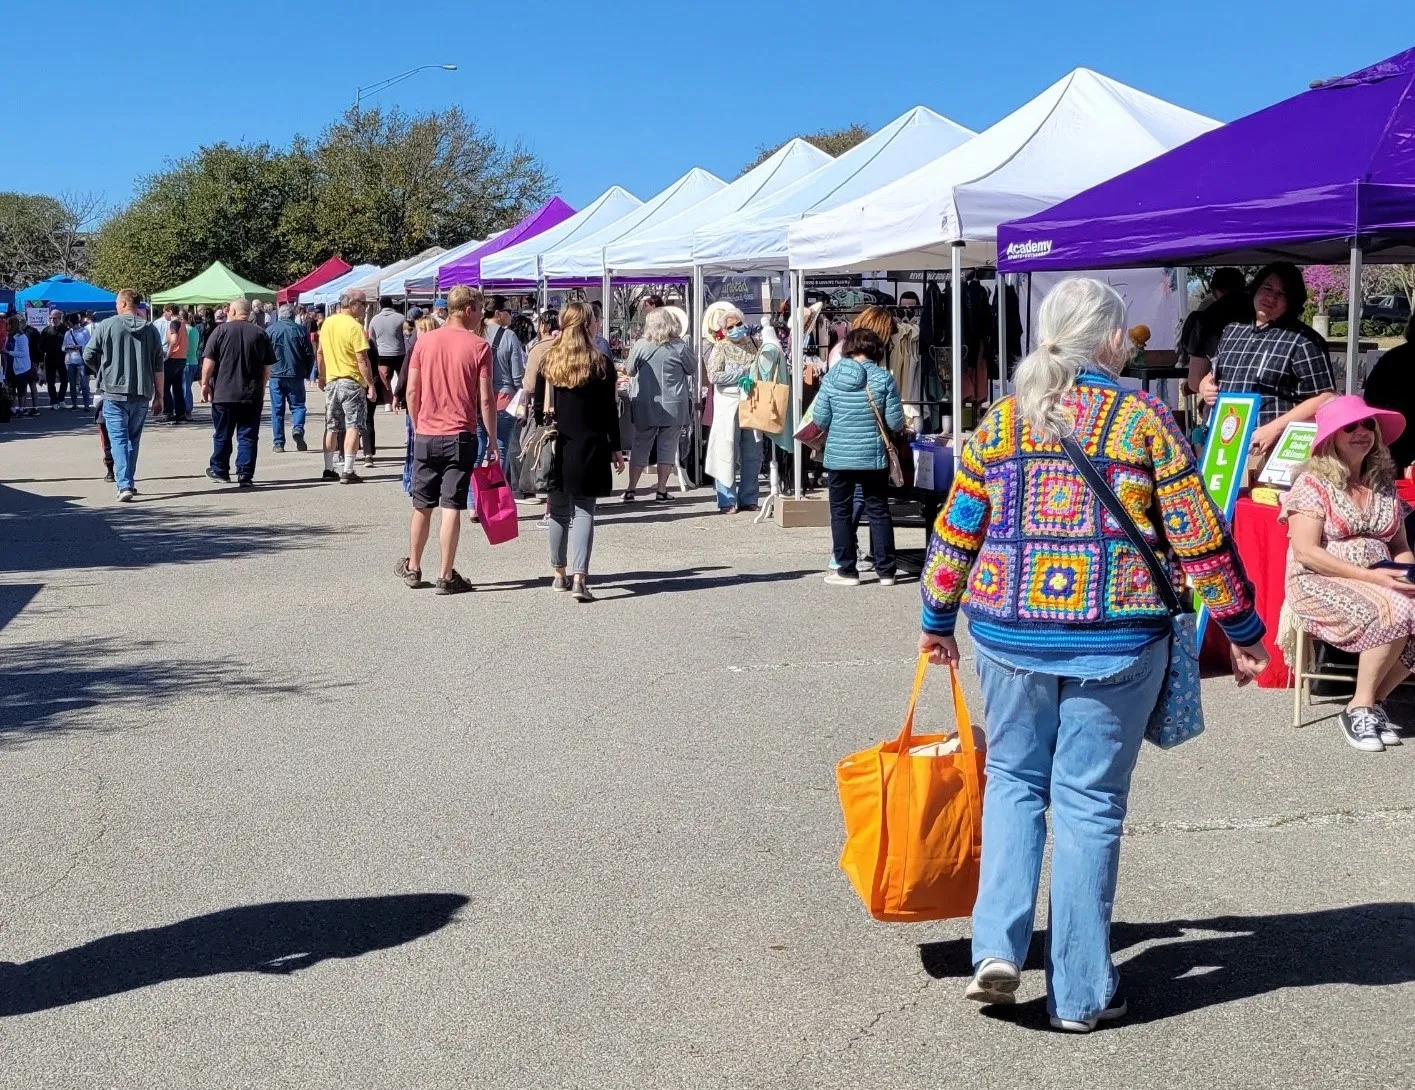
(1262, 544)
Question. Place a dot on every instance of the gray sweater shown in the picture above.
(663, 376)
(125, 353)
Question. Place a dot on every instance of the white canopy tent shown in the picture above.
(519, 265)
(414, 279)
(374, 281)
(755, 238)
(328, 294)
(587, 258)
(667, 247)
(1080, 131)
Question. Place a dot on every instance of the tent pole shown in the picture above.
(1003, 363)
(795, 286)
(695, 338)
(956, 253)
(1353, 316)
(608, 301)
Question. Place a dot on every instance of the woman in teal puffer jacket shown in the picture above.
(856, 396)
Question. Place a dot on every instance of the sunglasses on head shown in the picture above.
(1368, 424)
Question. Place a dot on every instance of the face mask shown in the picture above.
(737, 333)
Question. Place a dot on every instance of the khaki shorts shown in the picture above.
(346, 406)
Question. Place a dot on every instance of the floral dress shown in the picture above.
(1345, 613)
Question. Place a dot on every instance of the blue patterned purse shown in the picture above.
(1179, 712)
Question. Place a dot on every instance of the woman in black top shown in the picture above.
(586, 412)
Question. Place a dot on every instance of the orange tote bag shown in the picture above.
(914, 821)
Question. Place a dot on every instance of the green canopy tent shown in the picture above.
(217, 285)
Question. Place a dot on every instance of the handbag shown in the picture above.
(1178, 714)
(891, 451)
(914, 818)
(764, 408)
(810, 434)
(538, 442)
(496, 510)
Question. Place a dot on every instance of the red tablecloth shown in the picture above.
(1262, 543)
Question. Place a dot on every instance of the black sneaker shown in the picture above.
(300, 443)
(329, 475)
(244, 482)
(1361, 728)
(1389, 733)
(350, 478)
(455, 585)
(108, 474)
(222, 477)
(412, 576)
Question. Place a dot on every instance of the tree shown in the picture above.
(224, 203)
(390, 185)
(831, 141)
(376, 187)
(1402, 278)
(44, 236)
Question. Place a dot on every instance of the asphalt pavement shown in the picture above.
(268, 818)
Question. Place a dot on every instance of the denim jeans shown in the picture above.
(283, 391)
(79, 393)
(873, 485)
(241, 419)
(174, 391)
(124, 418)
(191, 375)
(1071, 744)
(747, 488)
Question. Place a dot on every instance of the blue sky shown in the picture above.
(612, 93)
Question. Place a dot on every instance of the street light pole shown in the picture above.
(384, 84)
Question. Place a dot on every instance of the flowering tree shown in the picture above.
(1325, 284)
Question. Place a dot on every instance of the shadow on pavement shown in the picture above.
(282, 937)
(45, 533)
(677, 576)
(49, 686)
(13, 599)
(1187, 965)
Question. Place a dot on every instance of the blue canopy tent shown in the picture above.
(65, 293)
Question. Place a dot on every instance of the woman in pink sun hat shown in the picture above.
(1350, 567)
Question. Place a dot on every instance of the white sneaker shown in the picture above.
(1116, 1008)
(886, 580)
(1388, 734)
(1361, 728)
(996, 981)
(835, 579)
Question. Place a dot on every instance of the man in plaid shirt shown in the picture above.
(1277, 356)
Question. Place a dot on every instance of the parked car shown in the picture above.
(1388, 309)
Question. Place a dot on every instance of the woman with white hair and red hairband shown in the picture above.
(734, 453)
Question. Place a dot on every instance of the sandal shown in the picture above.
(629, 496)
(411, 576)
(661, 497)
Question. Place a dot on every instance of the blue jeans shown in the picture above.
(124, 417)
(242, 420)
(745, 490)
(283, 390)
(191, 373)
(174, 393)
(78, 386)
(1071, 744)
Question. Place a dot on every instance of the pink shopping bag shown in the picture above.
(495, 506)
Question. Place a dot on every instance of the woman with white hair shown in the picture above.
(661, 368)
(734, 453)
(1072, 636)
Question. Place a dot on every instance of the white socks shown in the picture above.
(349, 462)
(329, 458)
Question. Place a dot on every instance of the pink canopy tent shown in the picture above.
(335, 266)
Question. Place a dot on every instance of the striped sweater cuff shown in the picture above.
(939, 622)
(1244, 629)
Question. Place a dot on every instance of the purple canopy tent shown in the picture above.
(1321, 178)
(467, 269)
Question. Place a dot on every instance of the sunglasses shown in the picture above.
(1368, 424)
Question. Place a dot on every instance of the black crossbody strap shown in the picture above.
(1112, 503)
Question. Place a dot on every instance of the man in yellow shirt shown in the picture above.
(347, 380)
